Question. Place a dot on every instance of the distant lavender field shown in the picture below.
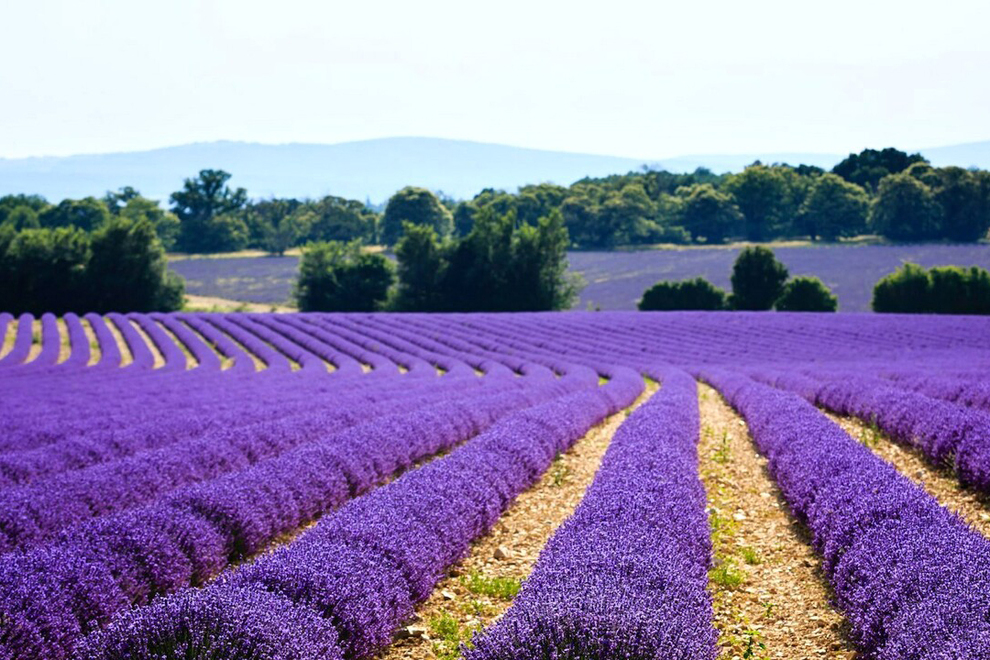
(616, 280)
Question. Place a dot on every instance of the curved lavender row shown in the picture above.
(450, 342)
(308, 362)
(30, 514)
(379, 364)
(966, 391)
(51, 343)
(221, 342)
(362, 569)
(78, 342)
(205, 357)
(911, 577)
(453, 366)
(273, 359)
(626, 575)
(141, 356)
(110, 357)
(85, 441)
(106, 566)
(481, 360)
(944, 432)
(5, 319)
(22, 342)
(175, 359)
(110, 412)
(343, 365)
(415, 366)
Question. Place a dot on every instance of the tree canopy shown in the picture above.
(207, 210)
(339, 277)
(757, 279)
(417, 206)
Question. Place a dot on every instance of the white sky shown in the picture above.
(638, 79)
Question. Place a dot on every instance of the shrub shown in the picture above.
(941, 290)
(757, 279)
(338, 277)
(806, 294)
(696, 294)
(128, 271)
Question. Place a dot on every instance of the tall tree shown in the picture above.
(421, 267)
(416, 206)
(965, 205)
(869, 166)
(339, 277)
(128, 271)
(833, 208)
(43, 270)
(34, 203)
(207, 207)
(710, 214)
(905, 209)
(757, 279)
(762, 195)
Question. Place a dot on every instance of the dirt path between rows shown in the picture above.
(770, 598)
(939, 482)
(480, 588)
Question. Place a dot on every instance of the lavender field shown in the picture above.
(616, 280)
(313, 486)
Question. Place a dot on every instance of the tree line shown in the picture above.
(760, 282)
(500, 265)
(118, 266)
(887, 192)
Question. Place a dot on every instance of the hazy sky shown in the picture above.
(638, 79)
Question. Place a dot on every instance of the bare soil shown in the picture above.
(214, 304)
(770, 598)
(939, 482)
(477, 590)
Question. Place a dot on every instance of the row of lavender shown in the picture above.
(911, 577)
(108, 515)
(89, 543)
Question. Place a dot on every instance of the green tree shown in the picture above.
(906, 290)
(538, 279)
(709, 214)
(115, 201)
(868, 167)
(906, 210)
(417, 206)
(537, 201)
(965, 205)
(128, 271)
(628, 217)
(22, 217)
(834, 207)
(696, 294)
(479, 265)
(421, 268)
(762, 194)
(956, 290)
(806, 294)
(338, 219)
(166, 224)
(582, 215)
(207, 209)
(757, 279)
(35, 203)
(339, 277)
(87, 214)
(43, 270)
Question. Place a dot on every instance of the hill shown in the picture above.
(371, 169)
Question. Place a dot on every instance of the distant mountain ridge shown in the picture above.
(372, 169)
